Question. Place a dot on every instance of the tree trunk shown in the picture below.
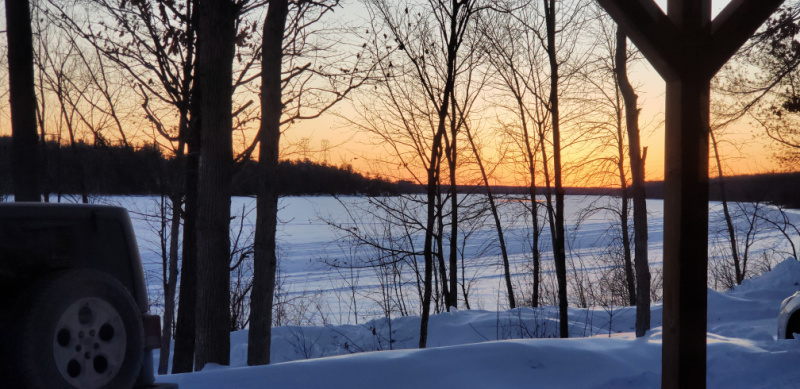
(452, 158)
(25, 153)
(532, 194)
(738, 271)
(626, 242)
(440, 246)
(265, 260)
(624, 202)
(176, 199)
(498, 226)
(559, 252)
(535, 243)
(171, 280)
(183, 357)
(434, 168)
(548, 192)
(40, 119)
(435, 293)
(216, 35)
(637, 187)
(433, 183)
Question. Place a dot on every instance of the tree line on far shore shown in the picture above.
(147, 170)
(91, 170)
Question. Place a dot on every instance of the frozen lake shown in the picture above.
(309, 245)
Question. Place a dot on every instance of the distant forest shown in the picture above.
(118, 170)
(774, 188)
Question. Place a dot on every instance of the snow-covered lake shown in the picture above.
(308, 244)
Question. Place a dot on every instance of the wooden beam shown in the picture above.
(690, 17)
(737, 22)
(649, 29)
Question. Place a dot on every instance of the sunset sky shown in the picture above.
(744, 151)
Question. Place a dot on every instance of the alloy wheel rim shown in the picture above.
(89, 343)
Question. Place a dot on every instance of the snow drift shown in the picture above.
(480, 349)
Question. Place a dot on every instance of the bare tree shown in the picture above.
(637, 162)
(497, 222)
(558, 44)
(290, 91)
(738, 273)
(265, 267)
(610, 134)
(61, 76)
(460, 111)
(216, 42)
(426, 40)
(515, 55)
(570, 15)
(25, 158)
(782, 223)
(241, 267)
(760, 83)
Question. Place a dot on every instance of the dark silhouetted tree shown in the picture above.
(25, 159)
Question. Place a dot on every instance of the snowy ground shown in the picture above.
(742, 350)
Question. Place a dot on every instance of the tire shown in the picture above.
(793, 326)
(78, 329)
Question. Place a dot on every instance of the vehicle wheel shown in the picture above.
(80, 329)
(793, 327)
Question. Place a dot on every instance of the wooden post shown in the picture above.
(683, 363)
(685, 234)
(687, 49)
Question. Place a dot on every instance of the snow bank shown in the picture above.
(782, 281)
(468, 349)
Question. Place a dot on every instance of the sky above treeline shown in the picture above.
(744, 151)
(332, 139)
